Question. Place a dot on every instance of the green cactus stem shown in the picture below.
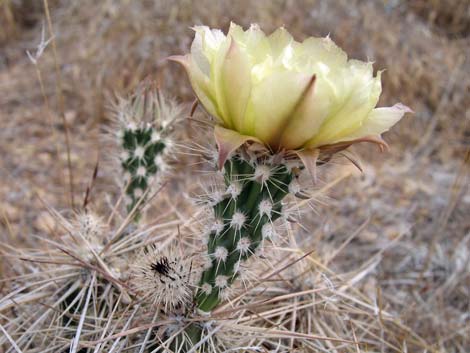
(145, 123)
(244, 217)
(141, 161)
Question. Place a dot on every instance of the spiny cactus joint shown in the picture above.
(253, 199)
(144, 147)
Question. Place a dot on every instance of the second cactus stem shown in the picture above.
(142, 160)
(244, 216)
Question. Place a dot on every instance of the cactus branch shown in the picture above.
(253, 199)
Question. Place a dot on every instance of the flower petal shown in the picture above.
(211, 40)
(380, 120)
(339, 146)
(279, 41)
(355, 98)
(228, 141)
(217, 82)
(308, 117)
(236, 84)
(200, 83)
(323, 50)
(197, 53)
(274, 100)
(253, 41)
(309, 158)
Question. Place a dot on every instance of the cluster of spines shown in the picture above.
(165, 277)
(142, 158)
(244, 217)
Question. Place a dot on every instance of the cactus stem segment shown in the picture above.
(244, 216)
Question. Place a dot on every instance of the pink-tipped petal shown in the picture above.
(309, 158)
(228, 141)
(181, 59)
(403, 108)
(337, 147)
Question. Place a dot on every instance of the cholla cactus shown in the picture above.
(299, 103)
(280, 107)
(244, 216)
(145, 124)
(165, 278)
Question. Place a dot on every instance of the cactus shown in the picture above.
(145, 123)
(244, 217)
(141, 161)
(165, 278)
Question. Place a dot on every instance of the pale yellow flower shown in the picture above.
(287, 94)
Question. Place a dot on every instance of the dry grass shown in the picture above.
(410, 258)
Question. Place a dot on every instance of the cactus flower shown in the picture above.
(286, 94)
